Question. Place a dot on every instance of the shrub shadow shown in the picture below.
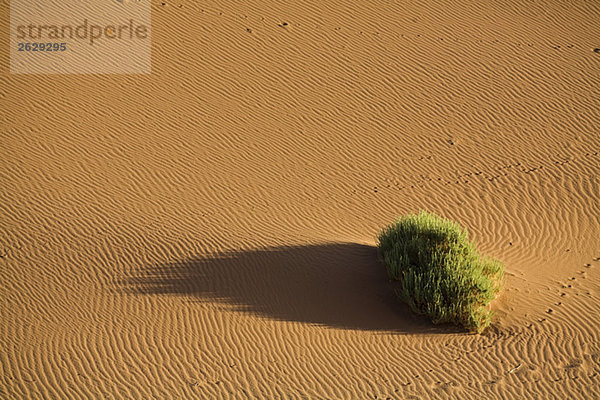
(339, 285)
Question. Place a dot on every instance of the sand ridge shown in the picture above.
(208, 231)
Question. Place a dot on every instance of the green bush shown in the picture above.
(439, 272)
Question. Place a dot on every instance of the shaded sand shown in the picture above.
(207, 231)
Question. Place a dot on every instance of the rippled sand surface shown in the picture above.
(208, 231)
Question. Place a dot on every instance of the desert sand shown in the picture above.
(207, 231)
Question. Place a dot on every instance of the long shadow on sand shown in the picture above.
(338, 285)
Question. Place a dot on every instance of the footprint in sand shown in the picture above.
(575, 363)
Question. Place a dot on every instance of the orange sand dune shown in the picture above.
(208, 231)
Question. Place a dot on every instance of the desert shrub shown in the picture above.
(439, 272)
